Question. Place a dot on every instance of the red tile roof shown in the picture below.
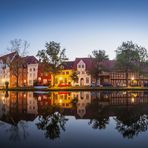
(87, 61)
(10, 56)
(68, 65)
(30, 60)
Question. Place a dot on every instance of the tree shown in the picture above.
(74, 76)
(98, 57)
(16, 65)
(53, 55)
(20, 46)
(129, 57)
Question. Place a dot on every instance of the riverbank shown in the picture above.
(77, 89)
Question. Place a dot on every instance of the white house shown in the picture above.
(82, 66)
(32, 69)
(4, 68)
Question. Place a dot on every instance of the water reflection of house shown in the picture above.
(43, 100)
(124, 98)
(84, 98)
(4, 103)
(32, 106)
(14, 107)
(62, 99)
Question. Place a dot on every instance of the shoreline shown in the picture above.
(79, 89)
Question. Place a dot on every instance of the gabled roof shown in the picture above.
(87, 61)
(68, 65)
(9, 56)
(30, 60)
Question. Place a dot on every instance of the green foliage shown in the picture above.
(98, 57)
(53, 55)
(131, 57)
(74, 76)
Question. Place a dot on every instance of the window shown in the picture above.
(82, 66)
(33, 69)
(30, 74)
(79, 66)
(83, 72)
(30, 69)
(44, 81)
(30, 81)
(87, 80)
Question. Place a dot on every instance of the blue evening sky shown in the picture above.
(79, 25)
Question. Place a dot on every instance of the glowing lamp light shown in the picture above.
(133, 100)
(3, 80)
(60, 78)
(132, 78)
(24, 81)
(60, 101)
(39, 78)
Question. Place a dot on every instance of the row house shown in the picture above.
(26, 72)
(82, 66)
(5, 68)
(44, 75)
(63, 77)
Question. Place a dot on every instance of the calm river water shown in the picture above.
(74, 119)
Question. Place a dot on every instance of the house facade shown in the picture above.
(25, 69)
(5, 68)
(82, 66)
(63, 77)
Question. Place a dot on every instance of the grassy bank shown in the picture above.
(78, 89)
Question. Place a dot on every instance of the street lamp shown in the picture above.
(132, 78)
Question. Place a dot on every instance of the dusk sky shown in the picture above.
(79, 25)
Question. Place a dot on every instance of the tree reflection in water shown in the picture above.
(52, 122)
(99, 113)
(131, 122)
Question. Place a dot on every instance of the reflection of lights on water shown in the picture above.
(39, 98)
(134, 95)
(124, 93)
(133, 100)
(3, 98)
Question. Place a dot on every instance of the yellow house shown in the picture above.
(63, 78)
